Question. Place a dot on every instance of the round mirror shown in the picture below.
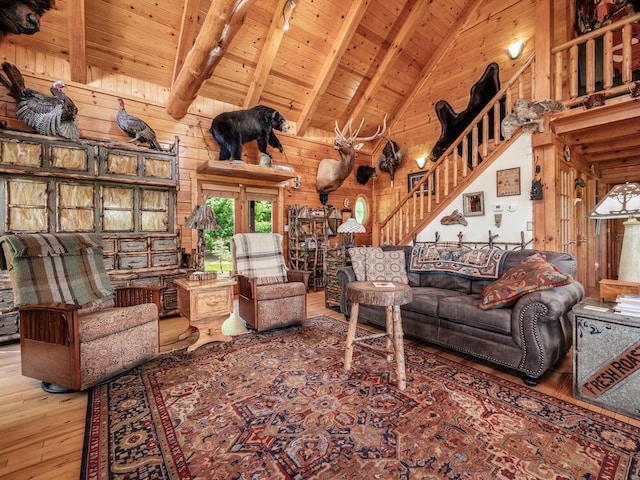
(361, 209)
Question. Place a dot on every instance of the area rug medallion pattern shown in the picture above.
(279, 405)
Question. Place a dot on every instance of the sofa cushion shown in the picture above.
(359, 257)
(426, 299)
(414, 278)
(531, 275)
(464, 310)
(386, 266)
(446, 281)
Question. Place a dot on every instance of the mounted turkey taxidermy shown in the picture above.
(331, 172)
(48, 115)
(390, 159)
(137, 129)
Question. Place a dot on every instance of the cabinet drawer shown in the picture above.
(206, 303)
(108, 245)
(109, 262)
(170, 300)
(6, 300)
(132, 245)
(126, 262)
(164, 259)
(163, 244)
(8, 324)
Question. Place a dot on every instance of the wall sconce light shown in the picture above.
(421, 162)
(515, 49)
(286, 16)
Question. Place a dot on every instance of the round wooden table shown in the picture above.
(389, 295)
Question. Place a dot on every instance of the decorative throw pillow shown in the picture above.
(359, 257)
(532, 274)
(389, 266)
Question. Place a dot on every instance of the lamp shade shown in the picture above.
(622, 201)
(202, 218)
(351, 226)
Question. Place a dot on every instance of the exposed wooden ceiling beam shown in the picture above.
(76, 24)
(223, 21)
(348, 29)
(429, 67)
(268, 55)
(186, 35)
(416, 15)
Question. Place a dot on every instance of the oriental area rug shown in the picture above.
(279, 405)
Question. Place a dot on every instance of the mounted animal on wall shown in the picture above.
(453, 124)
(22, 16)
(331, 172)
(390, 159)
(364, 173)
(233, 129)
(53, 114)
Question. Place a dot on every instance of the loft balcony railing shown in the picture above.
(606, 60)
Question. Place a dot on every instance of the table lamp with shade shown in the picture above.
(347, 230)
(623, 201)
(202, 218)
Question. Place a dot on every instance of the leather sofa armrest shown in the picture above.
(345, 275)
(540, 319)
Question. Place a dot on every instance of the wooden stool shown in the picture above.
(390, 296)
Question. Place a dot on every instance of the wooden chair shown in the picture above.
(269, 294)
(75, 330)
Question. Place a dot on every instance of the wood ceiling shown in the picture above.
(339, 59)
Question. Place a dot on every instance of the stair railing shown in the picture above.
(464, 160)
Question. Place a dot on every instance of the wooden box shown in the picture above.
(606, 358)
(610, 289)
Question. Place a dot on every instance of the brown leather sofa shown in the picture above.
(529, 336)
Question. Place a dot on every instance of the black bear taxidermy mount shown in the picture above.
(453, 124)
(22, 16)
(232, 129)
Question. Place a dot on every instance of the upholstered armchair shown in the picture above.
(269, 294)
(75, 330)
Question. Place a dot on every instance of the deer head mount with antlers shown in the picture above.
(331, 172)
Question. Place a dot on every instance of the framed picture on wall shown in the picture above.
(414, 178)
(508, 182)
(473, 204)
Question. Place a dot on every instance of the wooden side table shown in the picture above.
(389, 295)
(207, 304)
(606, 357)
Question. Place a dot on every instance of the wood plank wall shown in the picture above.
(97, 107)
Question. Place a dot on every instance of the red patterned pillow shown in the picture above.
(532, 274)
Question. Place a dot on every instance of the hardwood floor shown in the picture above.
(41, 434)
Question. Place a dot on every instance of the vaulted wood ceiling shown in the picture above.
(339, 59)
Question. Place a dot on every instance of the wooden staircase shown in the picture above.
(465, 160)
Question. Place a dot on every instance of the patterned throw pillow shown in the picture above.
(359, 257)
(389, 266)
(533, 274)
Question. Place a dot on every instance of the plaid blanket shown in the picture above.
(259, 255)
(51, 268)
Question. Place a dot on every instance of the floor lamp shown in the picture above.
(623, 201)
